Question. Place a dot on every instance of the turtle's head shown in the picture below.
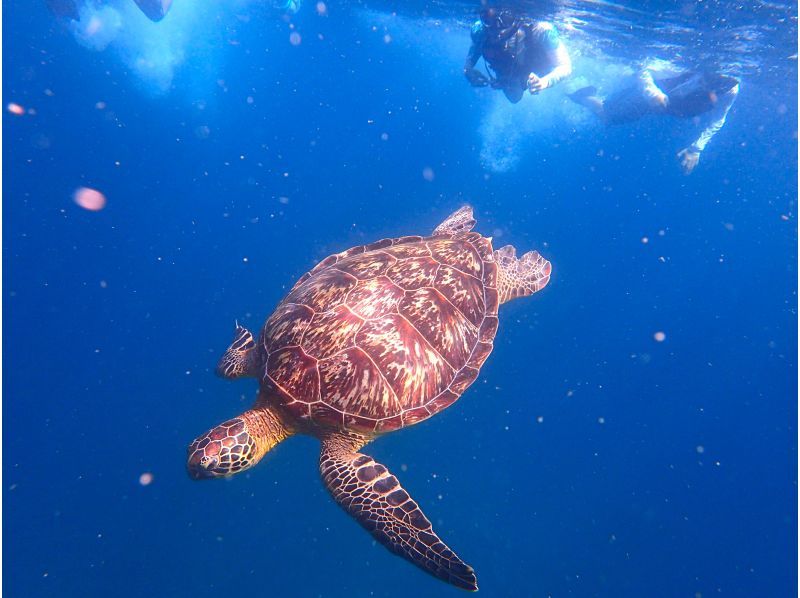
(234, 445)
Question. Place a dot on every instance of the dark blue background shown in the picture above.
(105, 382)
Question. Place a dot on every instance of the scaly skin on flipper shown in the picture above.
(374, 497)
(520, 277)
(239, 359)
(460, 221)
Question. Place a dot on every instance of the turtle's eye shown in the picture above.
(204, 460)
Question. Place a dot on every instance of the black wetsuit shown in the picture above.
(690, 94)
(513, 54)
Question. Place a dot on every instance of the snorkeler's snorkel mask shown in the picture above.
(495, 19)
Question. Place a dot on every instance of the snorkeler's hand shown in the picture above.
(476, 78)
(689, 159)
(661, 99)
(536, 83)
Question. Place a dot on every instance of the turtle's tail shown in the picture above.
(235, 445)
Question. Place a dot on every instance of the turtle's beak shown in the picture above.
(202, 467)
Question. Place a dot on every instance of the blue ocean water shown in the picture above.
(588, 459)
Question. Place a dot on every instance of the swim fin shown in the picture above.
(582, 95)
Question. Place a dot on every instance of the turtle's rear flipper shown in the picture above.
(371, 494)
(238, 360)
(520, 277)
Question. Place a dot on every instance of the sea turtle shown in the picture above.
(371, 340)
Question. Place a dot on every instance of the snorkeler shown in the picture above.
(667, 90)
(287, 7)
(155, 10)
(519, 54)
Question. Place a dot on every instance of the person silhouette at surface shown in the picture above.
(520, 54)
(668, 90)
(155, 10)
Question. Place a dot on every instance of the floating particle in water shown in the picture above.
(387, 39)
(202, 131)
(100, 105)
(601, 420)
(659, 336)
(385, 136)
(15, 109)
(322, 10)
(103, 284)
(700, 449)
(41, 141)
(146, 478)
(427, 173)
(89, 199)
(283, 199)
(295, 38)
(540, 419)
(645, 240)
(93, 27)
(728, 225)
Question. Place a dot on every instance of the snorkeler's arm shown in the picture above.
(557, 55)
(690, 156)
(563, 66)
(650, 89)
(719, 114)
(473, 55)
(473, 75)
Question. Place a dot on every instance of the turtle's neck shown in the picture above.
(265, 427)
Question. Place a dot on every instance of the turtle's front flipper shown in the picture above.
(371, 494)
(239, 360)
(460, 221)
